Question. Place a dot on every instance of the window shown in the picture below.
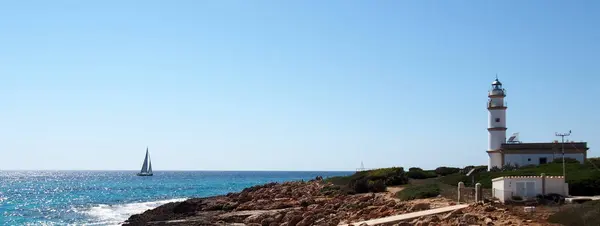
(529, 160)
(543, 160)
(497, 119)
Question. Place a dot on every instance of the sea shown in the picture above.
(111, 197)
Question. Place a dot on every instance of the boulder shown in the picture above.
(452, 214)
(420, 206)
(470, 218)
(489, 209)
(488, 221)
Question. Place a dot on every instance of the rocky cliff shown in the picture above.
(310, 203)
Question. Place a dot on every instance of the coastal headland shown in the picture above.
(322, 202)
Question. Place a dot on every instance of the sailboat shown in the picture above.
(147, 166)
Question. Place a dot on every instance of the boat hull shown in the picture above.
(145, 174)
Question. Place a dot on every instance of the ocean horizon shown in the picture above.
(109, 197)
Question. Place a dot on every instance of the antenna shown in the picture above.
(563, 135)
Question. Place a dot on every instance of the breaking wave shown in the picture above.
(116, 214)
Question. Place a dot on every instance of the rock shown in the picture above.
(188, 206)
(452, 214)
(420, 206)
(489, 209)
(293, 220)
(432, 219)
(422, 223)
(403, 224)
(267, 221)
(488, 221)
(391, 204)
(254, 219)
(470, 218)
(364, 224)
(365, 198)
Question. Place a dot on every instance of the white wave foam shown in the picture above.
(116, 214)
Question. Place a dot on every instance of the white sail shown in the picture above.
(149, 165)
(145, 165)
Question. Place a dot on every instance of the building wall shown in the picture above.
(495, 160)
(556, 185)
(497, 113)
(498, 190)
(496, 138)
(533, 159)
(504, 189)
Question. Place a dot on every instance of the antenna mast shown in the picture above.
(562, 136)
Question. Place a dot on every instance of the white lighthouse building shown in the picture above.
(503, 152)
(497, 124)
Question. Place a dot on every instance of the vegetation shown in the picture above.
(578, 215)
(583, 179)
(420, 191)
(443, 171)
(371, 180)
(418, 173)
(567, 160)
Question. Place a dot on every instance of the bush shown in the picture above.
(578, 215)
(420, 174)
(419, 192)
(583, 179)
(377, 186)
(414, 169)
(371, 180)
(567, 160)
(443, 171)
(360, 185)
(517, 198)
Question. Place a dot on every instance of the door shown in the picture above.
(543, 161)
(525, 189)
(520, 189)
(530, 187)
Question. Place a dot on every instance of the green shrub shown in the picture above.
(414, 169)
(377, 186)
(443, 171)
(419, 192)
(360, 185)
(420, 174)
(585, 214)
(583, 179)
(371, 180)
(567, 160)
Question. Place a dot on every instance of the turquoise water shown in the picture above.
(110, 197)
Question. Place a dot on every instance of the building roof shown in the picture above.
(496, 82)
(526, 177)
(521, 146)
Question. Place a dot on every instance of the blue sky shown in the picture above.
(288, 85)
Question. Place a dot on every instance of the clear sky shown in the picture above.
(288, 85)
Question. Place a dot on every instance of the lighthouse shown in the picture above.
(497, 124)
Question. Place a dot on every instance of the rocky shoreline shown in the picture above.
(315, 203)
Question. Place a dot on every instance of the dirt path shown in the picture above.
(391, 192)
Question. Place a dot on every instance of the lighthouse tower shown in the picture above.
(497, 124)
